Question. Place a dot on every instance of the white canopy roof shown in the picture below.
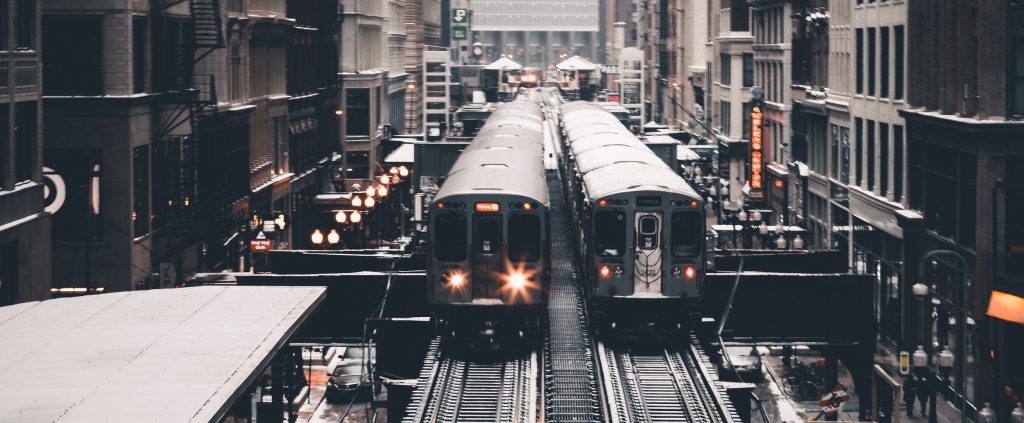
(576, 63)
(504, 64)
(405, 153)
(166, 355)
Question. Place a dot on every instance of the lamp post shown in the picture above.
(921, 290)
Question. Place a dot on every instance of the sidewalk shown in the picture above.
(786, 408)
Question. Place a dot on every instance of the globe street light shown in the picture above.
(317, 237)
(921, 290)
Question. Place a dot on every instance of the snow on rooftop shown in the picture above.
(169, 355)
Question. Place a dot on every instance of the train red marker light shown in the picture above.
(693, 203)
(690, 272)
(602, 202)
(440, 205)
(604, 271)
(487, 207)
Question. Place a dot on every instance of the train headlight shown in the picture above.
(690, 271)
(677, 272)
(455, 278)
(517, 280)
(604, 271)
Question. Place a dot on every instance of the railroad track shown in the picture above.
(666, 385)
(453, 390)
(572, 390)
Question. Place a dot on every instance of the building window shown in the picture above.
(898, 68)
(1018, 77)
(884, 68)
(871, 155)
(279, 143)
(883, 162)
(968, 198)
(357, 165)
(872, 61)
(140, 182)
(4, 25)
(844, 175)
(25, 24)
(897, 162)
(357, 111)
(834, 164)
(73, 65)
(139, 54)
(748, 69)
(170, 69)
(940, 190)
(858, 129)
(724, 117)
(860, 61)
(726, 69)
(25, 130)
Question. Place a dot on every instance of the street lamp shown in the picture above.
(317, 237)
(921, 290)
(333, 237)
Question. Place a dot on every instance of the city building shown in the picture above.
(964, 127)
(25, 216)
(537, 33)
(119, 128)
(423, 30)
(727, 88)
(394, 82)
(364, 67)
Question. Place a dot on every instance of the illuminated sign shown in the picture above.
(756, 153)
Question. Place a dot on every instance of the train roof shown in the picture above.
(611, 159)
(630, 177)
(505, 157)
(596, 158)
(519, 159)
(498, 180)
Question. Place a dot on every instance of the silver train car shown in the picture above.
(489, 237)
(641, 226)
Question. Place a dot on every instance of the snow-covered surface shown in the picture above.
(172, 355)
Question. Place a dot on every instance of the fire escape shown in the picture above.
(184, 97)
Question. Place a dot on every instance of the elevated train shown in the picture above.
(489, 238)
(641, 226)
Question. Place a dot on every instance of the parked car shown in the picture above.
(745, 360)
(344, 382)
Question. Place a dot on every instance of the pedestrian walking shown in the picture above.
(925, 387)
(911, 387)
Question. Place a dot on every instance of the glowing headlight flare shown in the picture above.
(604, 271)
(517, 280)
(456, 279)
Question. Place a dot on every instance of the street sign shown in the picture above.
(833, 401)
(459, 33)
(904, 362)
(460, 16)
(261, 244)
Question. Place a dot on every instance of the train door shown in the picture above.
(487, 257)
(647, 259)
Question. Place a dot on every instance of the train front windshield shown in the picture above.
(524, 237)
(609, 233)
(450, 238)
(686, 233)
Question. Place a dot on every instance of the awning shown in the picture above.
(576, 63)
(503, 64)
(403, 154)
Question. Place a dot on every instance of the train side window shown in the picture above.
(524, 237)
(609, 233)
(686, 233)
(488, 235)
(450, 238)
